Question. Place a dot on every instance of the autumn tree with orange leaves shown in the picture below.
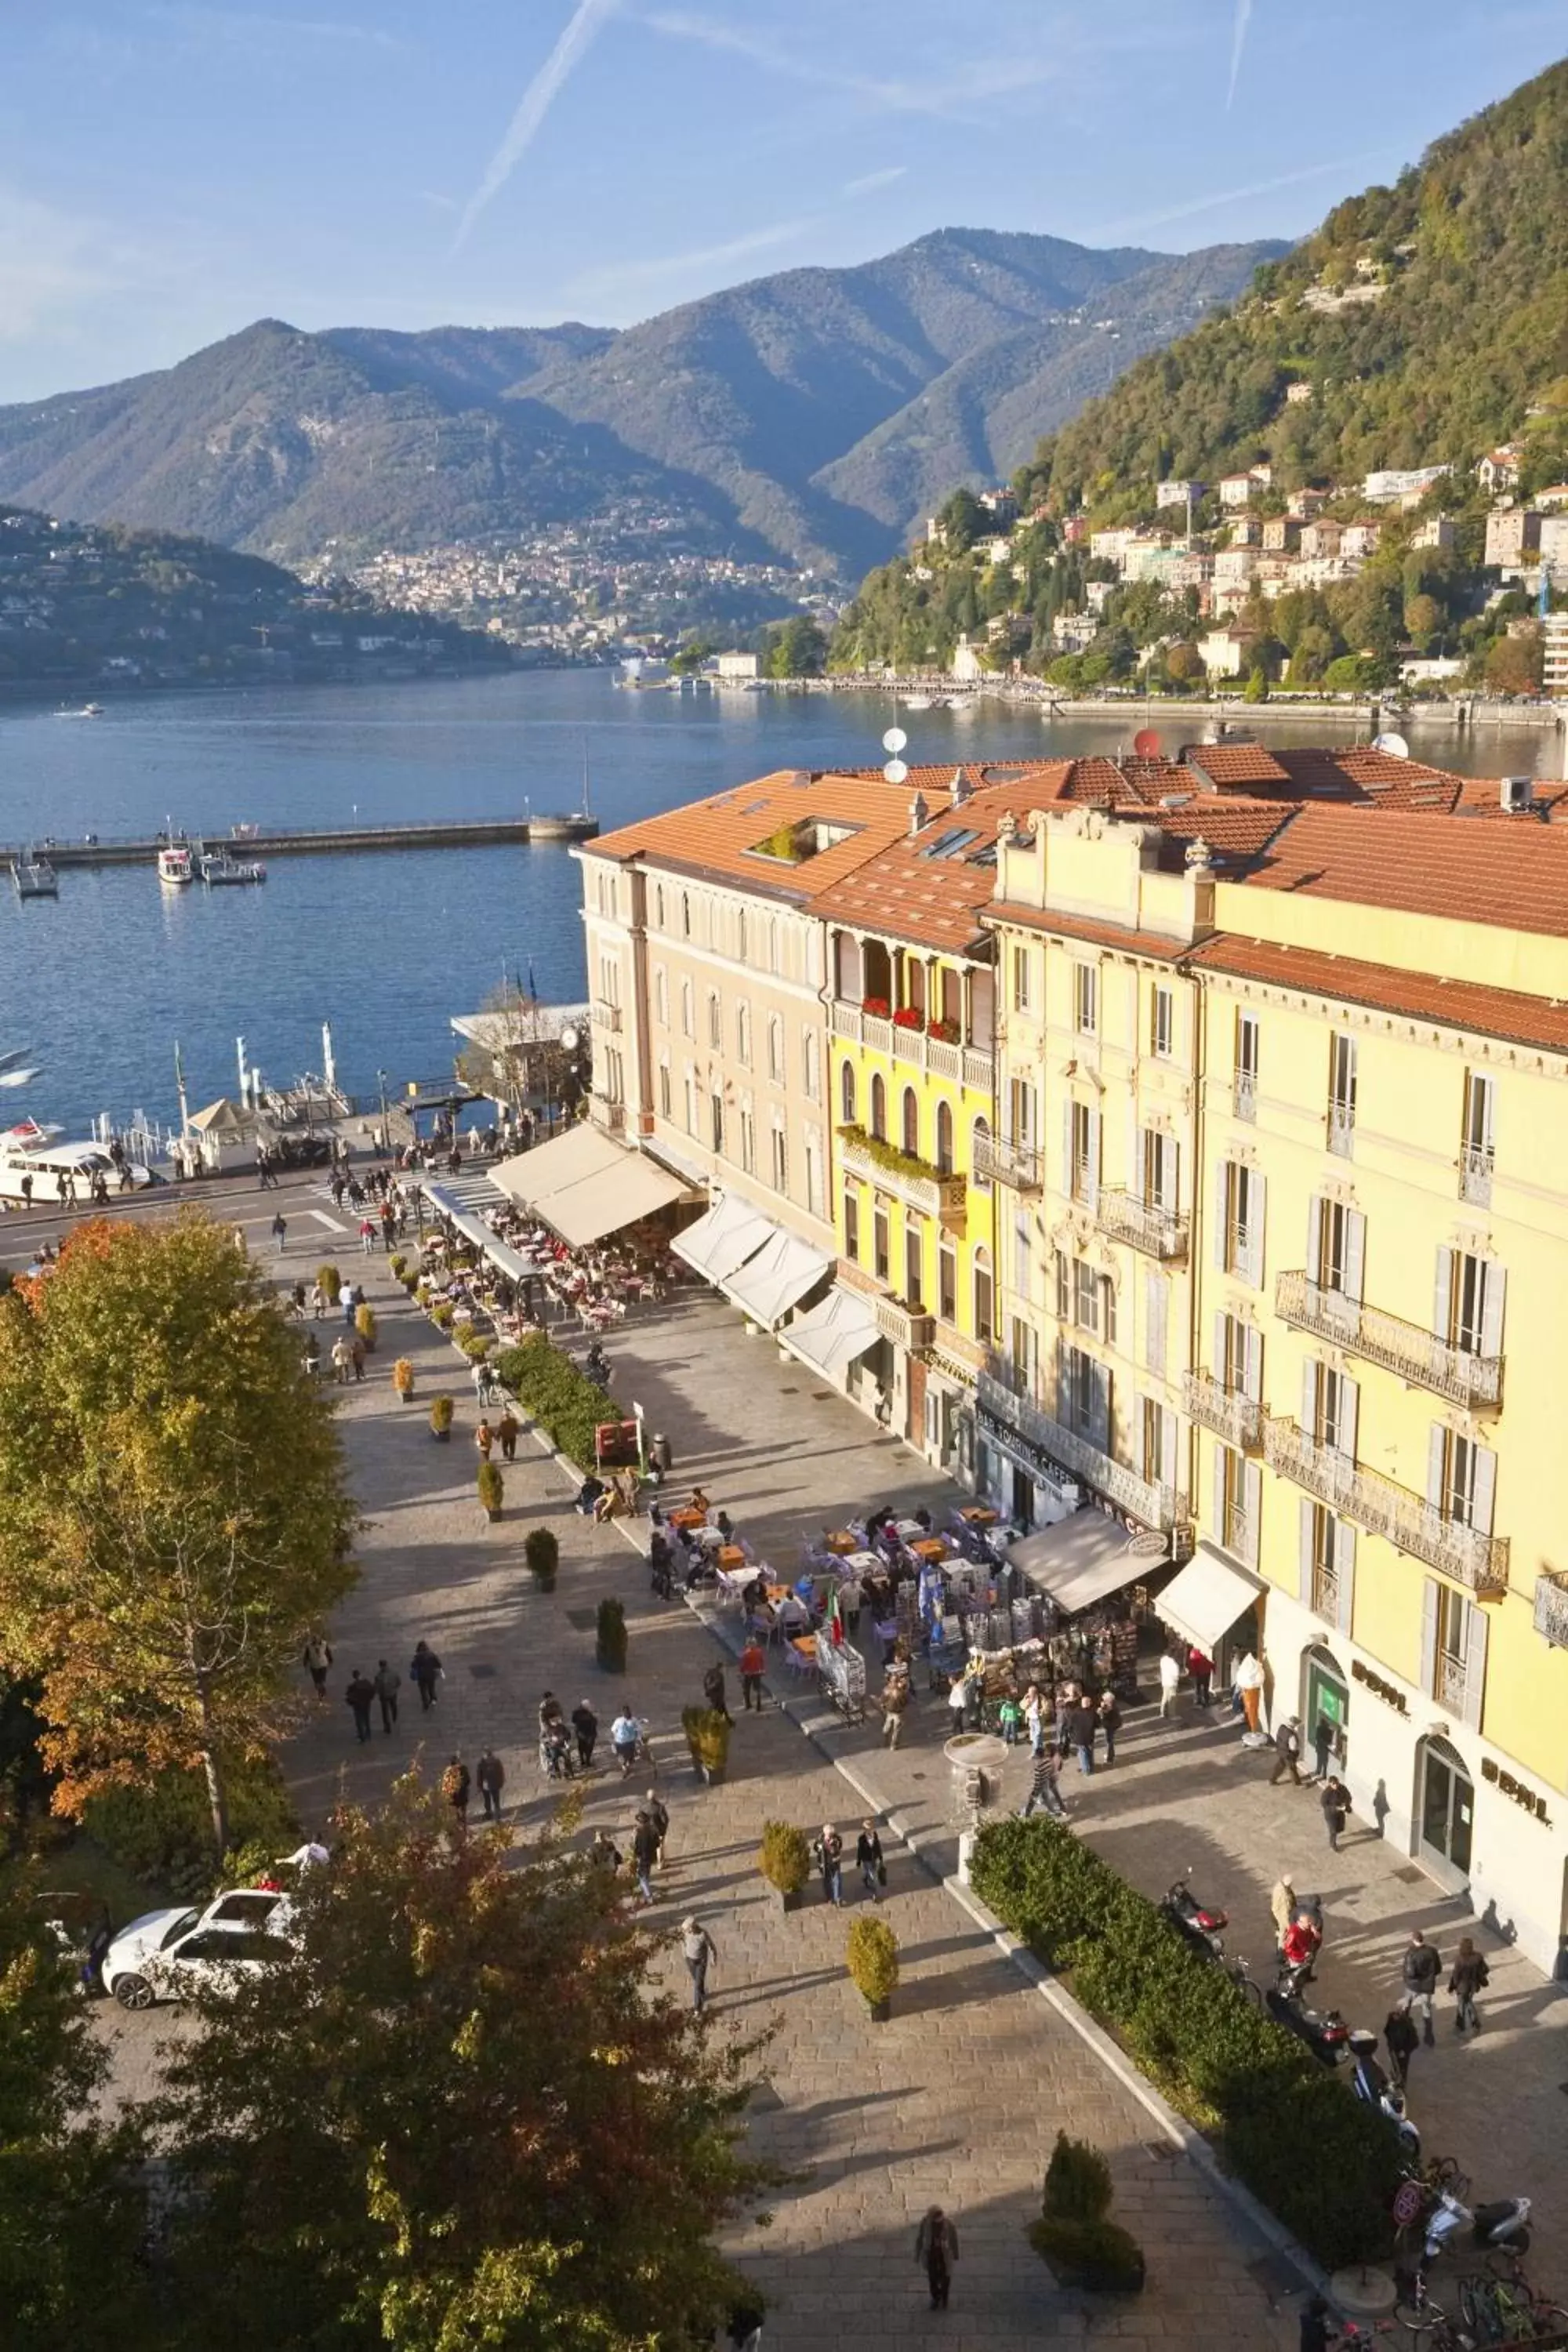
(174, 1518)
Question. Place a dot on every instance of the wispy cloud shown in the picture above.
(1238, 46)
(1224, 197)
(586, 20)
(54, 265)
(620, 280)
(946, 92)
(872, 180)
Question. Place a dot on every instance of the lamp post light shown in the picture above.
(380, 1082)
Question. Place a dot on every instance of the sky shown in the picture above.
(171, 170)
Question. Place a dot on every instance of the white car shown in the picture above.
(164, 1955)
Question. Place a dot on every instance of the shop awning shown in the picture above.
(1206, 1597)
(474, 1229)
(618, 1196)
(1078, 1560)
(768, 1284)
(723, 1238)
(530, 1176)
(832, 1334)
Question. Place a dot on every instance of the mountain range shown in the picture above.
(812, 417)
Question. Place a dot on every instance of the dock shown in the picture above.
(315, 841)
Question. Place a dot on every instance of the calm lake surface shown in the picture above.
(100, 983)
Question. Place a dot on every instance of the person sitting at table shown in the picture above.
(923, 1519)
(588, 1494)
(726, 1528)
(805, 1590)
(700, 1502)
(794, 1615)
(700, 1569)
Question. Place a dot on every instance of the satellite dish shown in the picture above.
(894, 741)
(1146, 743)
(1394, 745)
(896, 772)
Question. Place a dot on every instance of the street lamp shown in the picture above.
(380, 1082)
(571, 1038)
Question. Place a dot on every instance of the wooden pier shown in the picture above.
(316, 841)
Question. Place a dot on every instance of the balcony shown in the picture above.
(999, 1160)
(913, 1182)
(1403, 1518)
(1413, 1353)
(1342, 1129)
(1159, 1233)
(910, 1328)
(1475, 1175)
(1236, 1418)
(969, 1066)
(1551, 1607)
(1243, 1097)
(606, 1015)
(1004, 1391)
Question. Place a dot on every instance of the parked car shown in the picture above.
(165, 1955)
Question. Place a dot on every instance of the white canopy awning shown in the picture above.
(833, 1333)
(530, 1176)
(768, 1284)
(723, 1238)
(474, 1229)
(585, 1184)
(1206, 1597)
(1079, 1560)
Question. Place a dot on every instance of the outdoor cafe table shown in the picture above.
(805, 1647)
(688, 1518)
(930, 1548)
(977, 1515)
(840, 1541)
(730, 1556)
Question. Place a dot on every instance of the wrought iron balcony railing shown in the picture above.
(1385, 1508)
(1123, 1217)
(1459, 1374)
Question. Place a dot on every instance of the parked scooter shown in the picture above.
(1323, 2030)
(1202, 1927)
(597, 1365)
(1503, 2224)
(1369, 2081)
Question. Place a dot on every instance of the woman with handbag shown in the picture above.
(869, 1856)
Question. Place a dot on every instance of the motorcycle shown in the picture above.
(1369, 2082)
(597, 1365)
(1323, 2030)
(1502, 2224)
(1202, 1927)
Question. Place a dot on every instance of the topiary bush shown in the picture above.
(492, 1487)
(566, 1404)
(441, 1411)
(1078, 2181)
(441, 1314)
(1075, 2235)
(786, 1856)
(706, 1730)
(1326, 2165)
(332, 1284)
(610, 1635)
(397, 1266)
(364, 1324)
(872, 1958)
(541, 1550)
(474, 1345)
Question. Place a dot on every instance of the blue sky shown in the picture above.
(172, 169)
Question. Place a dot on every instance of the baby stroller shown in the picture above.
(556, 1760)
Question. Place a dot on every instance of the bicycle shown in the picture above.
(1244, 1980)
(1413, 2307)
(1495, 2310)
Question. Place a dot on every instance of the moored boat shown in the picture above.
(175, 864)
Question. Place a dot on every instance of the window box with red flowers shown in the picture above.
(878, 1006)
(944, 1031)
(906, 1017)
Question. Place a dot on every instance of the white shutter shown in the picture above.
(1252, 1490)
(1309, 1399)
(1167, 1447)
(1436, 1445)
(1099, 1389)
(1067, 1147)
(1220, 1174)
(1355, 1255)
(1491, 1307)
(1221, 1351)
(1429, 1636)
(1350, 1414)
(1156, 1306)
(1483, 1496)
(1345, 1571)
(1063, 1303)
(1475, 1633)
(1257, 1205)
(1443, 1296)
(1216, 1514)
(1092, 1195)
(1137, 1150)
(1254, 1364)
(1315, 1241)
(1304, 1554)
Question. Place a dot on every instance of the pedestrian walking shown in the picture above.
(851, 1599)
(490, 1774)
(455, 1787)
(264, 1175)
(1170, 1680)
(1470, 1976)
(356, 1356)
(1335, 1802)
(279, 1230)
(605, 1853)
(1035, 1719)
(936, 2249)
(318, 1300)
(359, 1693)
(754, 1664)
(316, 1657)
(895, 1702)
(1282, 1906)
(699, 1953)
(1109, 1715)
(366, 1236)
(387, 1679)
(1200, 1665)
(424, 1672)
(626, 1733)
(1420, 1970)
(644, 1854)
(827, 1851)
(484, 1438)
(507, 1430)
(585, 1724)
(1081, 1720)
(1322, 1744)
(342, 1362)
(1286, 1749)
(658, 1812)
(713, 1691)
(869, 1858)
(1401, 2039)
(1043, 1788)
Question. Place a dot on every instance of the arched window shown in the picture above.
(977, 1172)
(659, 907)
(775, 1049)
(944, 1138)
(744, 1033)
(984, 1310)
(847, 1093)
(911, 1123)
(740, 934)
(687, 1022)
(809, 1064)
(878, 1104)
(685, 916)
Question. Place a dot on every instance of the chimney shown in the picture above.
(918, 814)
(1517, 795)
(960, 788)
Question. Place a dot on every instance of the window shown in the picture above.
(979, 1170)
(911, 1123)
(1461, 1479)
(661, 996)
(609, 980)
(1475, 1149)
(716, 1115)
(1342, 1094)
(1238, 1357)
(1083, 1153)
(1157, 1443)
(851, 1223)
(878, 1104)
(715, 1022)
(781, 1161)
(1244, 1098)
(809, 1064)
(1023, 1255)
(1237, 1499)
(947, 1281)
(1083, 1396)
(1020, 979)
(944, 1139)
(1336, 1250)
(740, 934)
(1161, 1166)
(814, 1171)
(685, 916)
(1327, 1564)
(1239, 1199)
(1085, 999)
(688, 1010)
(747, 1140)
(1453, 1650)
(881, 1248)
(659, 907)
(1157, 1320)
(776, 1050)
(690, 1103)
(985, 1298)
(664, 1090)
(914, 1266)
(846, 1092)
(1085, 1297)
(1021, 1110)
(1330, 1408)
(1163, 1024)
(1469, 1308)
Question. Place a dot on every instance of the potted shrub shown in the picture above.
(872, 1958)
(490, 1490)
(1082, 2247)
(474, 1345)
(364, 1324)
(441, 1408)
(610, 1636)
(441, 1314)
(332, 1284)
(541, 1550)
(786, 1861)
(403, 1378)
(706, 1730)
(397, 1266)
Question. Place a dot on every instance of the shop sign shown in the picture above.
(1378, 1687)
(1044, 1465)
(1521, 1796)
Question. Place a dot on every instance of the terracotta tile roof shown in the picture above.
(906, 893)
(1100, 935)
(1482, 796)
(1233, 763)
(719, 836)
(1514, 877)
(1451, 1003)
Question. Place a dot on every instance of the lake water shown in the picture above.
(101, 983)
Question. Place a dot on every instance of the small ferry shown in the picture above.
(58, 1172)
(220, 870)
(175, 864)
(32, 876)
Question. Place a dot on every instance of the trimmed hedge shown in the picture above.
(566, 1403)
(162, 1830)
(1320, 2160)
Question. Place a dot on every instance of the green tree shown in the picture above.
(1256, 687)
(172, 1513)
(962, 520)
(386, 2146)
(798, 649)
(1423, 619)
(1514, 665)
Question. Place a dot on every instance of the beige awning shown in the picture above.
(585, 1184)
(1206, 1598)
(532, 1176)
(1078, 1560)
(723, 1238)
(768, 1284)
(832, 1334)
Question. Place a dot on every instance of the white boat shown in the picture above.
(219, 869)
(87, 710)
(916, 702)
(32, 877)
(44, 1161)
(175, 864)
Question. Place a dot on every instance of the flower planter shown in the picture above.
(793, 1900)
(710, 1775)
(442, 1436)
(493, 1517)
(880, 2011)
